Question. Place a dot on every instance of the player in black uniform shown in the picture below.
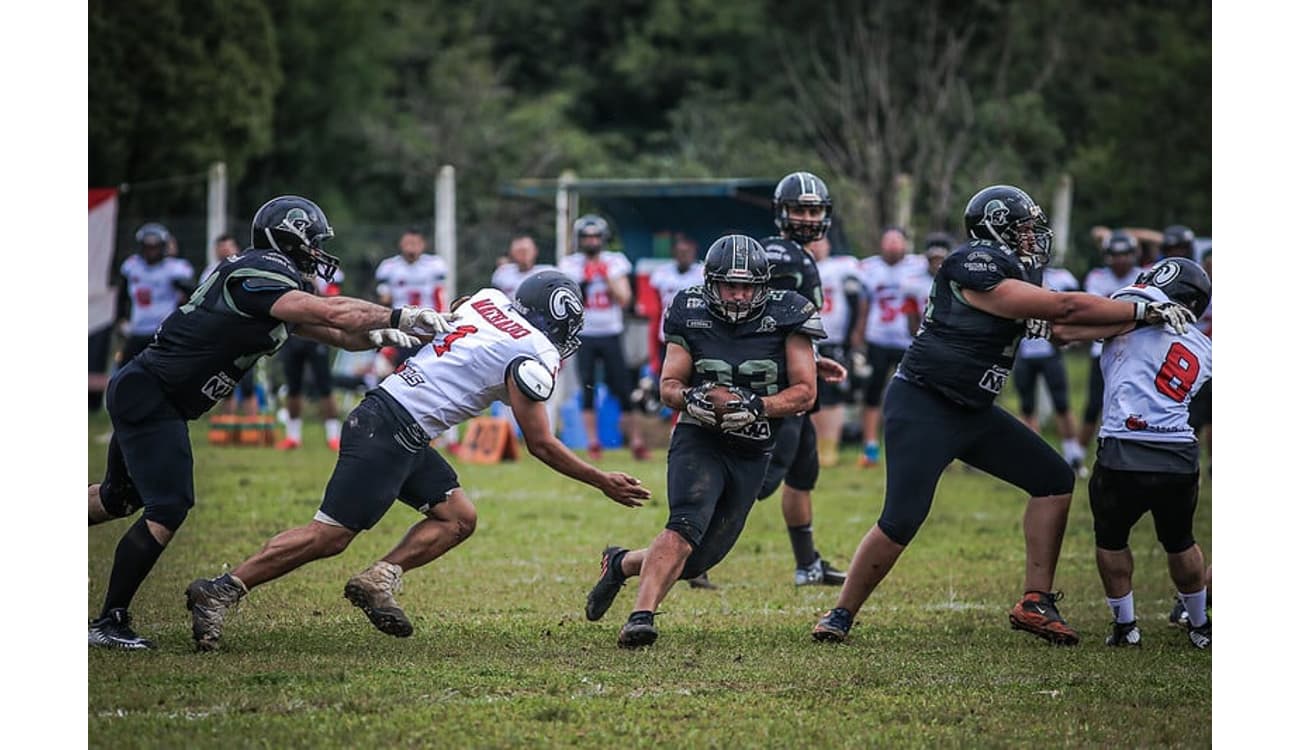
(243, 311)
(940, 403)
(801, 206)
(736, 332)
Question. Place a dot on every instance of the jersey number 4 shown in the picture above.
(1178, 373)
(444, 346)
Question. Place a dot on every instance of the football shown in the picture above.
(719, 397)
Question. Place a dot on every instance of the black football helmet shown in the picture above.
(941, 240)
(551, 302)
(1119, 243)
(587, 226)
(1178, 241)
(1006, 214)
(152, 239)
(801, 189)
(1182, 281)
(296, 227)
(736, 259)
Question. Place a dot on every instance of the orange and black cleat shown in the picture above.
(1037, 614)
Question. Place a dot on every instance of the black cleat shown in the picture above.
(1200, 637)
(638, 631)
(1178, 615)
(114, 631)
(702, 581)
(611, 579)
(820, 572)
(209, 601)
(1124, 634)
(834, 626)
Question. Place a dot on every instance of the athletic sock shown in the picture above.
(293, 429)
(1195, 606)
(135, 557)
(1122, 608)
(1071, 450)
(333, 428)
(801, 541)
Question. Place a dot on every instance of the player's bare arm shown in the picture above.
(542, 443)
(1018, 299)
(621, 290)
(676, 375)
(1065, 333)
(359, 341)
(831, 371)
(801, 369)
(354, 315)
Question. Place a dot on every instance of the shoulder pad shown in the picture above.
(793, 312)
(534, 380)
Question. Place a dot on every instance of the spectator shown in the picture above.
(521, 264)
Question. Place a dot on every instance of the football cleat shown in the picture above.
(372, 591)
(288, 444)
(638, 631)
(1178, 615)
(607, 586)
(1080, 468)
(1200, 637)
(1124, 634)
(595, 452)
(819, 572)
(702, 581)
(640, 452)
(1037, 614)
(114, 631)
(209, 600)
(834, 626)
(870, 456)
(333, 444)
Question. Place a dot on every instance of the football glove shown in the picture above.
(1165, 313)
(1036, 328)
(749, 409)
(382, 337)
(698, 406)
(424, 321)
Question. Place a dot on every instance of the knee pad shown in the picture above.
(120, 498)
(169, 514)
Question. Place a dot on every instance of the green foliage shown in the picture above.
(502, 655)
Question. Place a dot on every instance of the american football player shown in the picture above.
(1119, 258)
(1147, 454)
(242, 312)
(841, 289)
(941, 402)
(500, 350)
(734, 331)
(412, 279)
(151, 286)
(801, 207)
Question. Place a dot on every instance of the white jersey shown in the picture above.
(1151, 375)
(1205, 324)
(508, 277)
(459, 374)
(153, 291)
(840, 278)
(1101, 281)
(668, 281)
(1058, 280)
(422, 283)
(884, 286)
(602, 316)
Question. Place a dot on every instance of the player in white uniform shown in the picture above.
(1119, 254)
(523, 263)
(887, 336)
(151, 287)
(412, 278)
(1147, 455)
(300, 353)
(499, 350)
(841, 290)
(603, 277)
(685, 271)
(1039, 357)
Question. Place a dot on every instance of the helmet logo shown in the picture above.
(565, 304)
(297, 221)
(1164, 273)
(996, 212)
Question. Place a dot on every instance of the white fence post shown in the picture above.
(445, 225)
(216, 208)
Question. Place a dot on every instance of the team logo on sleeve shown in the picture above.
(565, 304)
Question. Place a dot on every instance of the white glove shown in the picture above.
(1036, 328)
(425, 321)
(1166, 313)
(749, 411)
(382, 337)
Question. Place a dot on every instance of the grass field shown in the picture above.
(502, 655)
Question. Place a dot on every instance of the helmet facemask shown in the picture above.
(735, 311)
(291, 237)
(1030, 238)
(800, 230)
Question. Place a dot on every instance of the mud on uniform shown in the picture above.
(1147, 455)
(384, 451)
(714, 476)
(201, 351)
(940, 405)
(794, 456)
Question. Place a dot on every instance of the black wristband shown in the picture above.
(395, 318)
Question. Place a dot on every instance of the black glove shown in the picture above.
(698, 406)
(749, 409)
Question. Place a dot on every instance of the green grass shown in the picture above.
(502, 655)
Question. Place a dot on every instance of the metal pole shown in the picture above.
(903, 202)
(1061, 201)
(216, 208)
(445, 225)
(566, 205)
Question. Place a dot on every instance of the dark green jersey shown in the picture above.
(793, 268)
(203, 348)
(961, 352)
(750, 354)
